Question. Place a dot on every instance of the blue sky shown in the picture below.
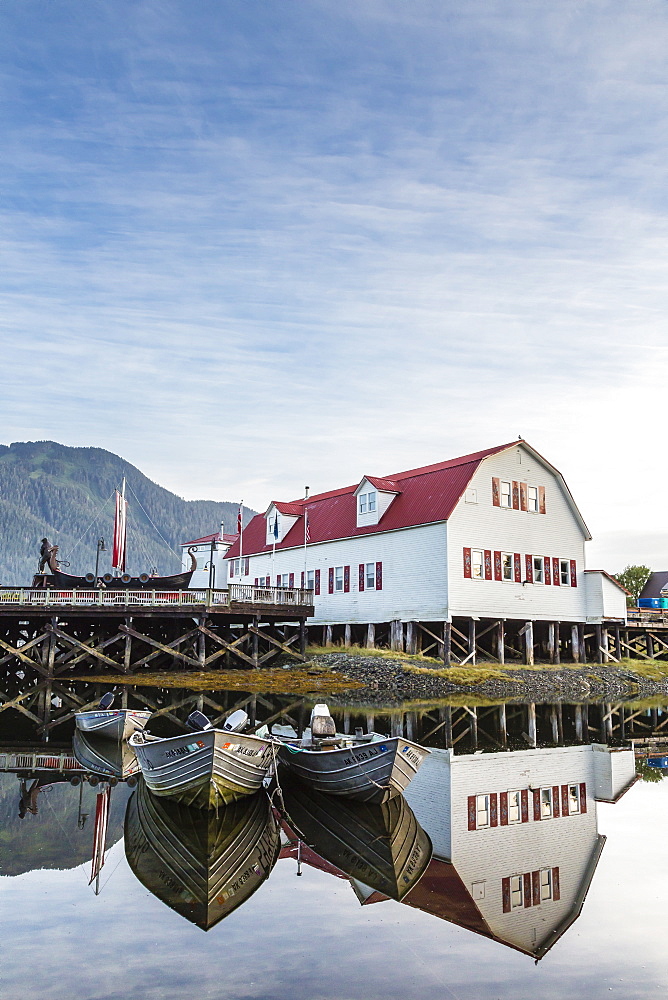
(254, 245)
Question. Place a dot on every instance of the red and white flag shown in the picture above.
(120, 533)
(100, 832)
(307, 526)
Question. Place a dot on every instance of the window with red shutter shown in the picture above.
(331, 579)
(488, 564)
(360, 578)
(528, 565)
(547, 564)
(379, 576)
(467, 563)
(346, 579)
(317, 583)
(497, 566)
(496, 491)
(517, 566)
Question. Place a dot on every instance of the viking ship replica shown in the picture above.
(56, 579)
(202, 864)
(383, 847)
(368, 767)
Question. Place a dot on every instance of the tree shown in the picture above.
(634, 579)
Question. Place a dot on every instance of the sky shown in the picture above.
(252, 245)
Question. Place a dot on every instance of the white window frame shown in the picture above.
(532, 499)
(363, 503)
(503, 495)
(565, 573)
(373, 505)
(474, 564)
(546, 812)
(518, 803)
(538, 563)
(285, 579)
(545, 884)
(338, 579)
(510, 557)
(310, 579)
(574, 804)
(516, 891)
(482, 806)
(370, 576)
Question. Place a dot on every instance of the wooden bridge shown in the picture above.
(52, 632)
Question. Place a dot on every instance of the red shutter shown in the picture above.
(278, 580)
(317, 582)
(467, 563)
(346, 579)
(535, 887)
(556, 811)
(524, 801)
(526, 885)
(496, 491)
(291, 581)
(555, 573)
(379, 576)
(574, 575)
(494, 809)
(331, 580)
(556, 888)
(247, 567)
(583, 797)
(536, 803)
(541, 499)
(505, 894)
(564, 800)
(503, 808)
(488, 564)
(528, 563)
(523, 497)
(471, 812)
(302, 579)
(547, 563)
(361, 578)
(497, 566)
(517, 567)
(516, 495)
(256, 581)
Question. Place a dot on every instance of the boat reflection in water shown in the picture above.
(201, 863)
(105, 757)
(381, 848)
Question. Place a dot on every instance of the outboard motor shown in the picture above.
(322, 724)
(197, 721)
(107, 700)
(236, 722)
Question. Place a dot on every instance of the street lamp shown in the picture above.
(101, 547)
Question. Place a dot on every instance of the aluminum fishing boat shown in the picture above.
(381, 847)
(105, 757)
(368, 767)
(111, 723)
(205, 767)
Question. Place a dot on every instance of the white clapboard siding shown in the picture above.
(480, 525)
(605, 600)
(614, 772)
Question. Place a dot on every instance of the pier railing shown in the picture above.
(236, 593)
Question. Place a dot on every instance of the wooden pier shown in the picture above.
(55, 632)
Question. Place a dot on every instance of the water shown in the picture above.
(325, 935)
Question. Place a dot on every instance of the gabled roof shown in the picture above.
(427, 494)
(611, 578)
(655, 583)
(384, 485)
(209, 538)
(291, 509)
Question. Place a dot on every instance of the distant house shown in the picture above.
(210, 552)
(656, 584)
(493, 536)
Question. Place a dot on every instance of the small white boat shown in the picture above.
(111, 723)
(368, 767)
(206, 767)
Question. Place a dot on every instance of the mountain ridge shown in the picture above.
(66, 493)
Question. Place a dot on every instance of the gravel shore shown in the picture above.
(388, 681)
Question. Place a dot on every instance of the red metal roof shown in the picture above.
(209, 538)
(384, 485)
(292, 509)
(427, 494)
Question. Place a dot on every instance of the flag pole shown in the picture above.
(241, 538)
(306, 489)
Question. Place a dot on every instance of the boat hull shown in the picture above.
(369, 772)
(381, 846)
(113, 759)
(201, 864)
(204, 769)
(112, 724)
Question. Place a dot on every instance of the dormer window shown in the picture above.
(367, 502)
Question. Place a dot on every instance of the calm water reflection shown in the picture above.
(547, 879)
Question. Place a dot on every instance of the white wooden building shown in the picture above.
(515, 837)
(494, 536)
(210, 552)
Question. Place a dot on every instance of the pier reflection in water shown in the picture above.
(498, 855)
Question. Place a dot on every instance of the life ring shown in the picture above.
(144, 577)
(126, 578)
(107, 578)
(90, 578)
(93, 781)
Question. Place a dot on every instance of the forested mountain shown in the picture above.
(66, 494)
